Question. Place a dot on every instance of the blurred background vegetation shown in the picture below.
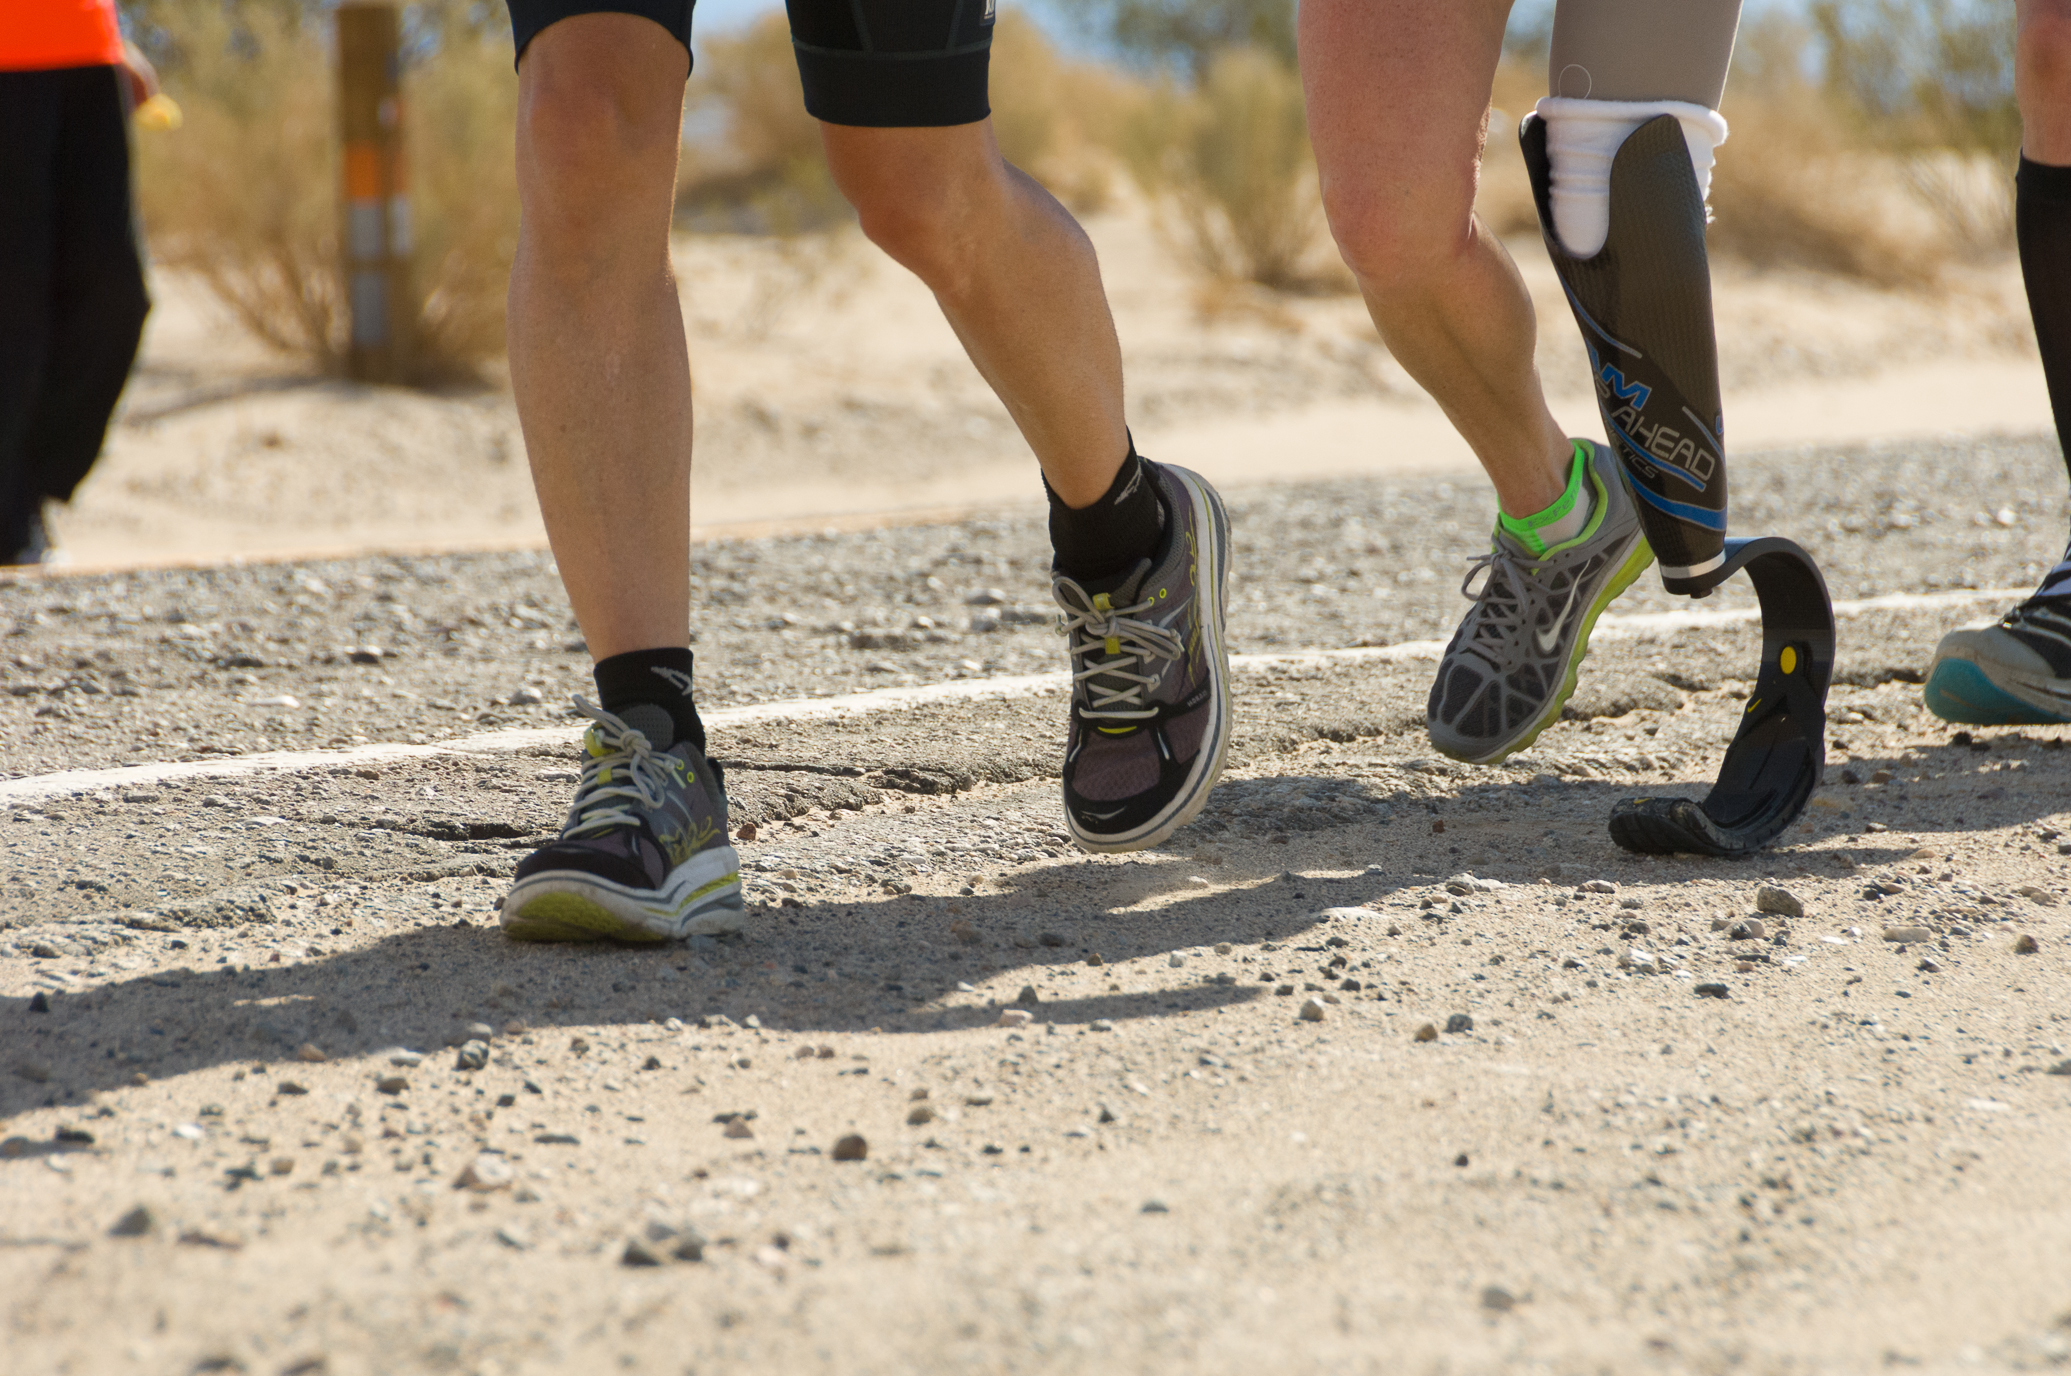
(1871, 138)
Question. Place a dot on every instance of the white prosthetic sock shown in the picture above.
(1583, 136)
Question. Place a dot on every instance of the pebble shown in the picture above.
(1154, 1206)
(1710, 991)
(39, 1002)
(1222, 948)
(1497, 1299)
(2060, 1068)
(1911, 932)
(1427, 1033)
(528, 696)
(919, 1115)
(486, 1173)
(1596, 886)
(405, 1058)
(1311, 1010)
(310, 1051)
(737, 1127)
(1781, 902)
(480, 1031)
(851, 1148)
(138, 1222)
(1101, 1025)
(1176, 961)
(1458, 1023)
(391, 1084)
(1930, 966)
(1015, 1017)
(189, 1132)
(290, 1088)
(1027, 995)
(638, 1253)
(472, 1056)
(2038, 895)
(1748, 929)
(2025, 945)
(978, 1100)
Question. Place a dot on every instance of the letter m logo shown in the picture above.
(1634, 394)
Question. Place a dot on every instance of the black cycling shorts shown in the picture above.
(881, 64)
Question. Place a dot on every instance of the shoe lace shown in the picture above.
(1500, 605)
(1110, 690)
(623, 768)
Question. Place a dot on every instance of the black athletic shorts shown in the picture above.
(883, 64)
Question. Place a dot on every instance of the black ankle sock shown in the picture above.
(649, 690)
(2042, 223)
(1107, 538)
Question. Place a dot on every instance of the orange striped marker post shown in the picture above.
(375, 234)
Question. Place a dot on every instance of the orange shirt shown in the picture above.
(39, 34)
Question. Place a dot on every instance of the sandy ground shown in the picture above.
(241, 1127)
(830, 389)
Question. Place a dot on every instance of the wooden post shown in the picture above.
(375, 228)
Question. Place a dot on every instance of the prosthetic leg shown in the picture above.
(1643, 302)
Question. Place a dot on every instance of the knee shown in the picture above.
(932, 214)
(2043, 54)
(1394, 243)
(596, 142)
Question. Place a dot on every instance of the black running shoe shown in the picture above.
(644, 854)
(1150, 701)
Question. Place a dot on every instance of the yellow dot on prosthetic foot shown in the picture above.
(1788, 660)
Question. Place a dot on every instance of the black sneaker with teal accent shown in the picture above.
(2014, 672)
(644, 854)
(1150, 699)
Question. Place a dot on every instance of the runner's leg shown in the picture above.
(1398, 95)
(599, 365)
(29, 121)
(2018, 670)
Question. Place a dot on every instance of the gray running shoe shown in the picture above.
(1150, 692)
(2016, 672)
(1511, 665)
(644, 854)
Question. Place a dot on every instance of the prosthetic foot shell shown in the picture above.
(1643, 302)
(1779, 753)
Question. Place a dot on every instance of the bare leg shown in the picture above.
(1016, 277)
(2042, 79)
(1398, 95)
(598, 359)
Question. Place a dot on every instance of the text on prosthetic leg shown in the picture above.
(1643, 302)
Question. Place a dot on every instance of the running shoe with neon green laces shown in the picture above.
(1511, 665)
(644, 854)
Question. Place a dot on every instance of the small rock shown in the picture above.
(978, 1100)
(638, 1253)
(1596, 886)
(1028, 996)
(480, 1031)
(310, 1051)
(405, 1058)
(1781, 902)
(1101, 1025)
(1710, 991)
(282, 1165)
(290, 1088)
(1311, 1010)
(1882, 776)
(1930, 965)
(391, 1084)
(138, 1222)
(2037, 895)
(2060, 1068)
(39, 1002)
(737, 1127)
(2024, 945)
(851, 1148)
(1015, 1017)
(746, 832)
(472, 1056)
(919, 1115)
(1911, 932)
(527, 696)
(1154, 1206)
(1497, 1299)
(1458, 1023)
(1095, 959)
(486, 1173)
(1427, 1033)
(1747, 929)
(1176, 960)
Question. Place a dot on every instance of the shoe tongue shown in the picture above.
(651, 721)
(1121, 588)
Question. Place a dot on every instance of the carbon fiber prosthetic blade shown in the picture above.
(1643, 303)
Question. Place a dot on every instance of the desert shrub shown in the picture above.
(1188, 34)
(245, 195)
(1230, 161)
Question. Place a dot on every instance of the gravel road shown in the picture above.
(1385, 1064)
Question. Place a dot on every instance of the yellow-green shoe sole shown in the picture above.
(1635, 564)
(572, 917)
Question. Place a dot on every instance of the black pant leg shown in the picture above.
(2042, 220)
(29, 113)
(97, 283)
